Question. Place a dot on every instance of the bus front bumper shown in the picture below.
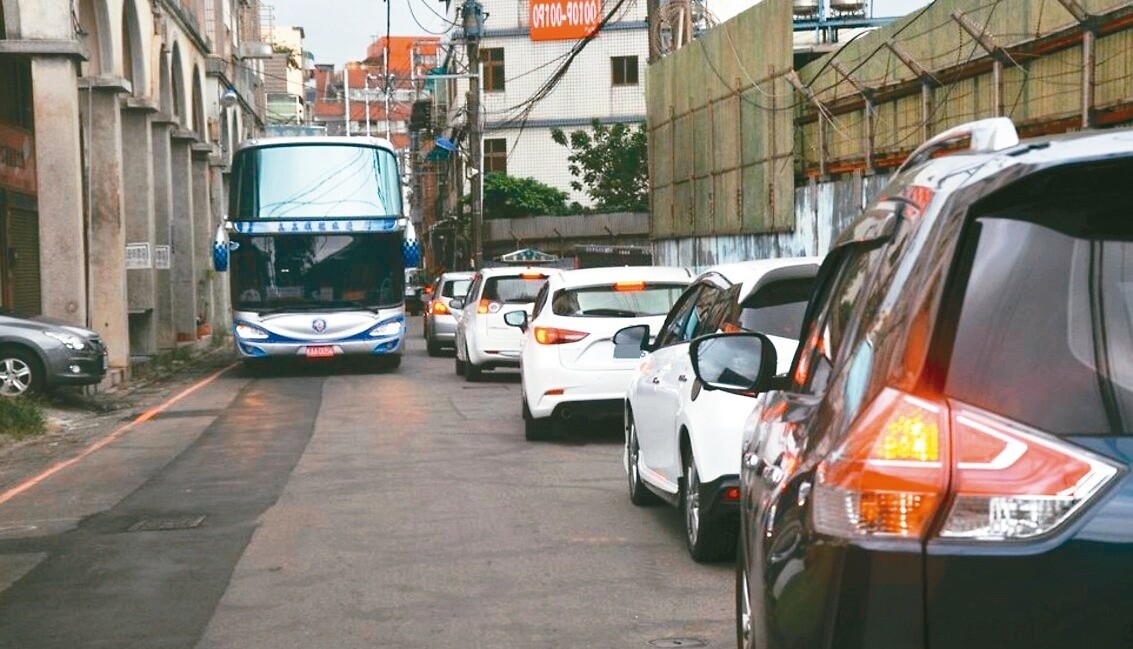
(316, 349)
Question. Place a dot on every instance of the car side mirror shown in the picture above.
(737, 362)
(456, 303)
(516, 319)
(631, 341)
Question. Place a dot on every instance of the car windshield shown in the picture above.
(512, 290)
(623, 300)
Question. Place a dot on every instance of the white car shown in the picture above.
(483, 340)
(683, 442)
(568, 362)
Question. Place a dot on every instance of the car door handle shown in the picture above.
(655, 380)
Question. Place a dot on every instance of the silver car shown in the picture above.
(38, 354)
(440, 321)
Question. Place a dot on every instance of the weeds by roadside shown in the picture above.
(21, 418)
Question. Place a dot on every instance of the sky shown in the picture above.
(339, 30)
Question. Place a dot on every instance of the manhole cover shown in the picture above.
(678, 642)
(169, 524)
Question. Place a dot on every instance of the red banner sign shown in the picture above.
(17, 159)
(558, 20)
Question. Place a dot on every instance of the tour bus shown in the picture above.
(315, 249)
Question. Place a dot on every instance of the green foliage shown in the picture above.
(507, 197)
(21, 417)
(610, 164)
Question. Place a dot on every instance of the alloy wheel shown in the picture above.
(692, 502)
(15, 377)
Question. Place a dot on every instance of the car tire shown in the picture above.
(639, 494)
(707, 540)
(744, 636)
(457, 364)
(535, 430)
(432, 347)
(472, 371)
(20, 373)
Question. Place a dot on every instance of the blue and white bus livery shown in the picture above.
(315, 249)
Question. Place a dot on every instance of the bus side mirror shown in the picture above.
(220, 250)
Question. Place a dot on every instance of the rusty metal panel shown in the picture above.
(727, 199)
(1114, 71)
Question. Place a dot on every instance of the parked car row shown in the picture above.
(921, 439)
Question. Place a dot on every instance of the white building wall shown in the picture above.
(585, 93)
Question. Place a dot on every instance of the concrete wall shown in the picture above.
(822, 211)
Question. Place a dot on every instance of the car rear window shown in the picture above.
(455, 287)
(624, 300)
(512, 290)
(1045, 330)
(776, 308)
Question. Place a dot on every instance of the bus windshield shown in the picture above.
(325, 180)
(338, 271)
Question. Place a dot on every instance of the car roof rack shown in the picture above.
(986, 135)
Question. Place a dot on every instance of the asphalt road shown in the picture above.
(363, 508)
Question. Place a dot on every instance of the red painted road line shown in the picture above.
(109, 439)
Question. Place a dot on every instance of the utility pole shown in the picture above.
(367, 98)
(346, 86)
(473, 21)
(653, 20)
(385, 64)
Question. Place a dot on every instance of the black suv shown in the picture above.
(947, 464)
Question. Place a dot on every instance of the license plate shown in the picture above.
(319, 351)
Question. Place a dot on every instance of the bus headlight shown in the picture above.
(387, 328)
(248, 332)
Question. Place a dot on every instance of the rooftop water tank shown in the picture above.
(847, 6)
(806, 7)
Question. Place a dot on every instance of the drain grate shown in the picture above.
(167, 524)
(678, 642)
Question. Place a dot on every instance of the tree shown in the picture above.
(507, 197)
(610, 165)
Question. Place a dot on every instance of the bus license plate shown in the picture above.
(319, 351)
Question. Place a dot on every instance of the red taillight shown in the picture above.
(487, 306)
(889, 477)
(555, 336)
(1012, 482)
(439, 308)
(906, 458)
(731, 494)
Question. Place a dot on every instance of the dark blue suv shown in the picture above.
(948, 462)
